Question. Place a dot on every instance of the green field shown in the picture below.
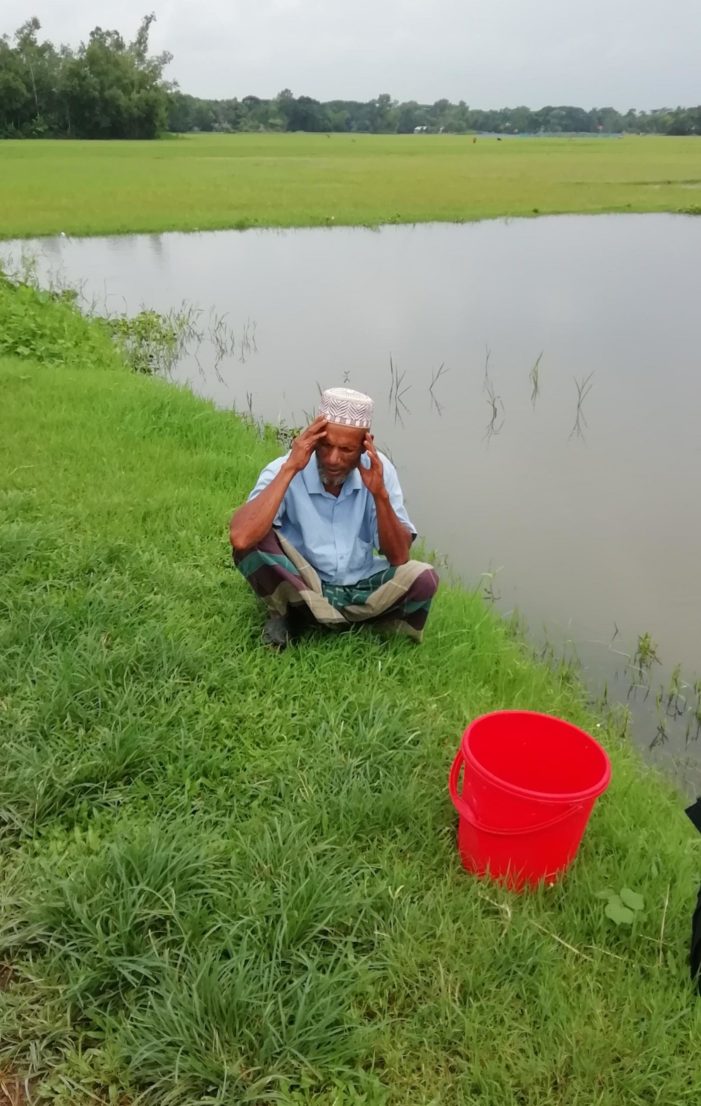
(205, 182)
(230, 877)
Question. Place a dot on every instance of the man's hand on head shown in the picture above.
(394, 537)
(305, 443)
(372, 475)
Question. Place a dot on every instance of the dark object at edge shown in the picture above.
(694, 813)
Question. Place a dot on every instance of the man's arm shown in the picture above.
(252, 521)
(395, 538)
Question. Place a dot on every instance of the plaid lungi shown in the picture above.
(398, 598)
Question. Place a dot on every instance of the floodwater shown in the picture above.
(538, 384)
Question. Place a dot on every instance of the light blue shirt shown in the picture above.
(336, 534)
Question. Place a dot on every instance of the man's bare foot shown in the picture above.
(276, 632)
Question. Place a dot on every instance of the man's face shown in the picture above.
(338, 453)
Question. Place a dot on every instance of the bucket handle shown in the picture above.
(466, 811)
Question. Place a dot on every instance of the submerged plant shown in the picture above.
(534, 377)
(488, 590)
(494, 401)
(397, 391)
(645, 654)
(435, 377)
(583, 387)
(149, 341)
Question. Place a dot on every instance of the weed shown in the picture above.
(150, 343)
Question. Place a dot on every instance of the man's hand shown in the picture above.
(372, 477)
(305, 443)
(394, 537)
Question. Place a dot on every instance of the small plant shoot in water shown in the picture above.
(534, 377)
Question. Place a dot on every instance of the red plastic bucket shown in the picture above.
(529, 785)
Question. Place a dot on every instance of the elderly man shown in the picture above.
(306, 538)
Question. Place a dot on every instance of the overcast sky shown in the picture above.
(490, 53)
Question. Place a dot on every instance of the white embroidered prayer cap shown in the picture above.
(345, 407)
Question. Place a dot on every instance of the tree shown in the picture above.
(28, 80)
(105, 89)
(382, 114)
(116, 90)
(302, 114)
(410, 116)
(15, 94)
(28, 51)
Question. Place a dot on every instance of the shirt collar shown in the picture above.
(312, 480)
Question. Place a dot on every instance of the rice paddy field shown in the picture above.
(205, 182)
(230, 877)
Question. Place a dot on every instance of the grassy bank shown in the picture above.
(230, 877)
(212, 181)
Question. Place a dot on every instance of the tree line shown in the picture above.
(383, 115)
(111, 88)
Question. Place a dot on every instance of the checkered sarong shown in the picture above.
(397, 598)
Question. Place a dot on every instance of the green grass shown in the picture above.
(230, 877)
(211, 181)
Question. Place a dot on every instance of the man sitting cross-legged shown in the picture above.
(306, 538)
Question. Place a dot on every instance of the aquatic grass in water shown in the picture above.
(435, 377)
(494, 402)
(230, 877)
(583, 386)
(534, 377)
(397, 390)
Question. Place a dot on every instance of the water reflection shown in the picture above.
(536, 382)
(158, 251)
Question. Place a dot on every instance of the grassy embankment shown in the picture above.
(211, 181)
(230, 877)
